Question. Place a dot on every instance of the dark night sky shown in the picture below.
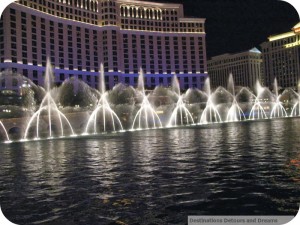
(238, 25)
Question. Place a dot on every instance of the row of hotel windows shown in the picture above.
(65, 12)
(84, 4)
(143, 13)
(1, 40)
(79, 45)
(241, 60)
(281, 42)
(86, 42)
(146, 12)
(222, 65)
(92, 80)
(161, 26)
(156, 54)
(240, 75)
(53, 42)
(285, 80)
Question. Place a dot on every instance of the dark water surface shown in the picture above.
(154, 176)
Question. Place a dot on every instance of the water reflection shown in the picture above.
(44, 164)
(161, 175)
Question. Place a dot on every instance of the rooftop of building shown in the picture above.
(294, 30)
(153, 3)
(252, 50)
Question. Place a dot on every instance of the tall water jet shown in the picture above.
(180, 115)
(5, 131)
(296, 106)
(257, 110)
(235, 113)
(108, 120)
(146, 117)
(278, 109)
(210, 114)
(53, 116)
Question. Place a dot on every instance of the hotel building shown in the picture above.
(245, 68)
(281, 58)
(124, 35)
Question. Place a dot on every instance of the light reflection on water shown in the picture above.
(158, 176)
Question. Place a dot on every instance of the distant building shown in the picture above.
(281, 58)
(125, 35)
(245, 68)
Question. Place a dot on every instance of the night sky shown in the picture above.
(238, 25)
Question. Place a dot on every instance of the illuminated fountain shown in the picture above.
(5, 132)
(180, 115)
(210, 114)
(146, 117)
(138, 113)
(103, 118)
(296, 107)
(48, 113)
(235, 113)
(278, 109)
(257, 110)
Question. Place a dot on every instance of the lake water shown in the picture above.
(154, 176)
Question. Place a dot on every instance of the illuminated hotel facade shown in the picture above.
(124, 35)
(245, 68)
(281, 58)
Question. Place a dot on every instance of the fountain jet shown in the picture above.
(49, 106)
(146, 117)
(278, 109)
(210, 114)
(257, 111)
(5, 132)
(296, 107)
(235, 113)
(180, 115)
(108, 116)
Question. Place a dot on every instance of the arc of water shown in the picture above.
(153, 118)
(183, 111)
(104, 124)
(278, 110)
(49, 118)
(212, 110)
(49, 104)
(296, 106)
(234, 111)
(260, 111)
(5, 131)
(295, 109)
(210, 107)
(145, 108)
(261, 114)
(180, 109)
(103, 104)
(37, 114)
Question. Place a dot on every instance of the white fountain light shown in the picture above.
(296, 107)
(109, 117)
(49, 106)
(257, 111)
(180, 115)
(146, 117)
(5, 132)
(210, 114)
(278, 109)
(235, 113)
